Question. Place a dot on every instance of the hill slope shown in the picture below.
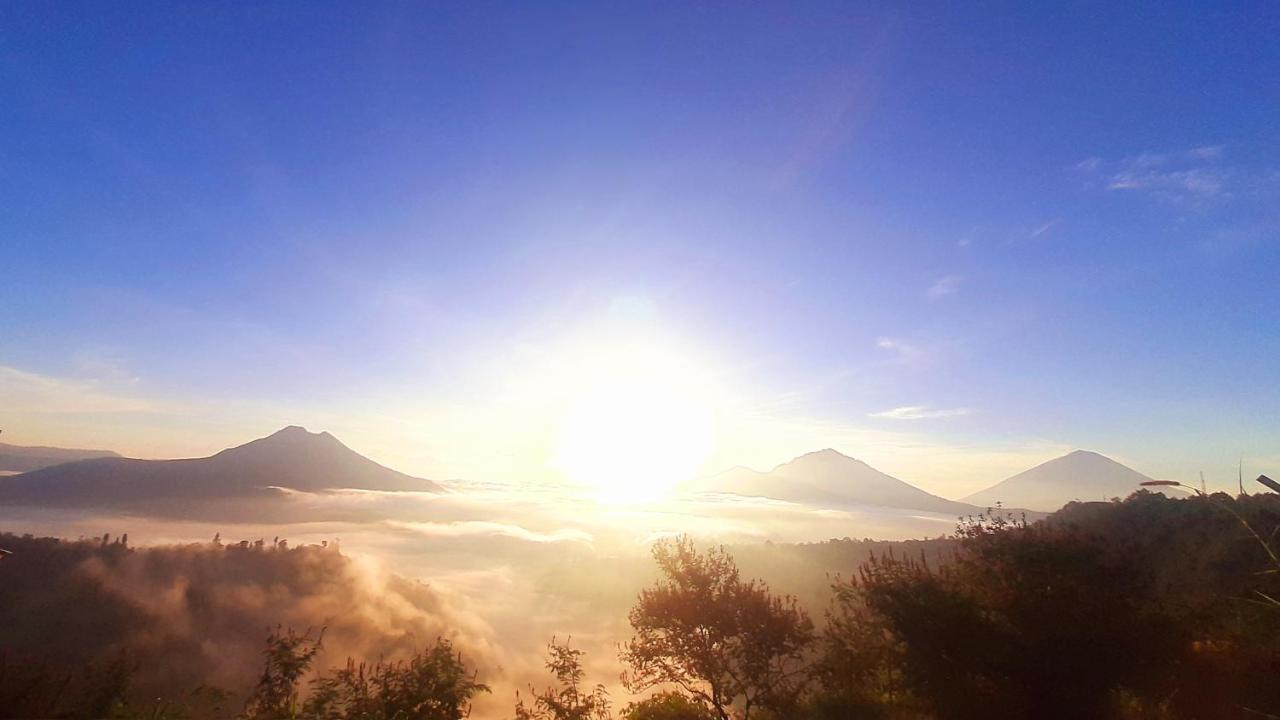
(20, 459)
(290, 458)
(1080, 475)
(828, 478)
(182, 615)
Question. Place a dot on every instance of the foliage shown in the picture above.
(859, 672)
(1057, 619)
(1212, 557)
(569, 701)
(288, 656)
(668, 706)
(434, 684)
(35, 688)
(728, 643)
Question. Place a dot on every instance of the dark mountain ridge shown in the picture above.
(291, 458)
(20, 458)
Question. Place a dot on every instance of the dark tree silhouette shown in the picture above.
(728, 643)
(434, 684)
(1025, 622)
(288, 655)
(668, 706)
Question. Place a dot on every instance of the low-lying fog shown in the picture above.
(508, 567)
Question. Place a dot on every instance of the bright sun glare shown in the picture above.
(639, 425)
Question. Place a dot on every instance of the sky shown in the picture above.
(953, 240)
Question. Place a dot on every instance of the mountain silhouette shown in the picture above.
(1080, 475)
(827, 478)
(290, 458)
(20, 459)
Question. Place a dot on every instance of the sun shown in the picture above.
(638, 425)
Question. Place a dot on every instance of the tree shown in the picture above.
(668, 706)
(1026, 621)
(288, 655)
(860, 664)
(434, 684)
(569, 701)
(726, 642)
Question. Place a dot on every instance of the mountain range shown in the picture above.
(291, 458)
(828, 478)
(297, 459)
(20, 459)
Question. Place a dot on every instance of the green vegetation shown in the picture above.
(1142, 609)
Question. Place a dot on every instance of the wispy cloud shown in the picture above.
(1089, 164)
(919, 412)
(1208, 152)
(1197, 182)
(1046, 227)
(104, 364)
(48, 394)
(946, 285)
(897, 345)
(1195, 175)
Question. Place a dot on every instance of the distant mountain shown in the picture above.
(291, 458)
(1080, 475)
(20, 459)
(829, 479)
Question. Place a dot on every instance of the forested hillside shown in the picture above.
(85, 620)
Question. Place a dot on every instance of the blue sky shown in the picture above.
(950, 239)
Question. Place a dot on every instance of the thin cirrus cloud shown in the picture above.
(919, 412)
(946, 285)
(1196, 174)
(897, 345)
(47, 394)
(1046, 227)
